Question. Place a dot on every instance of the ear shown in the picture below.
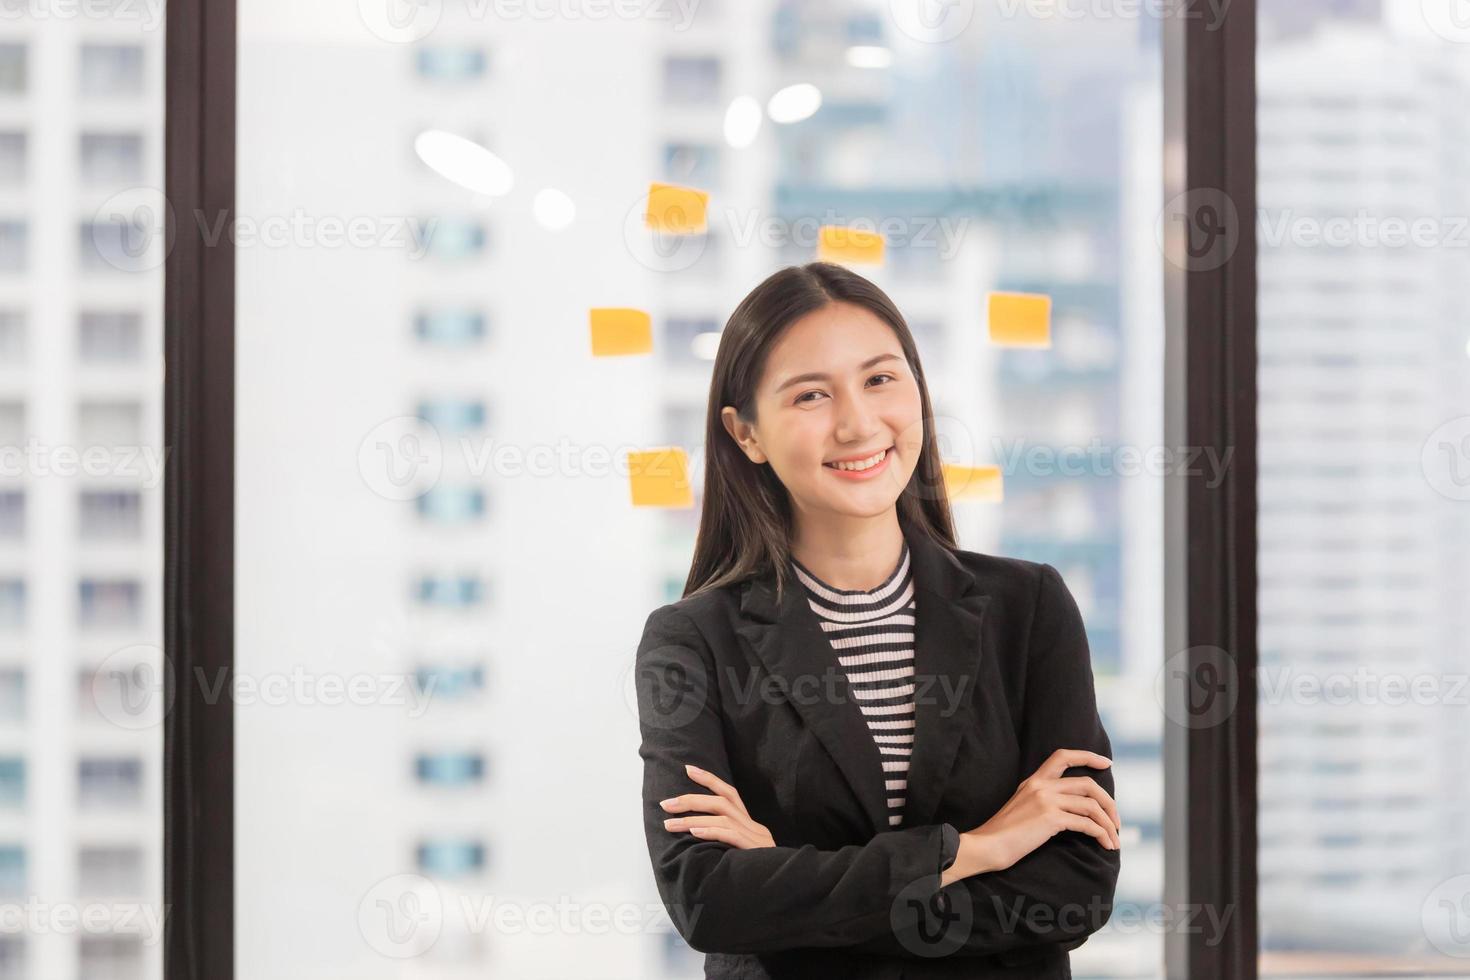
(743, 433)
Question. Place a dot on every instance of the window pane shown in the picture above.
(1364, 360)
(81, 491)
(428, 453)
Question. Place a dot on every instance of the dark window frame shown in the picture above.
(1210, 561)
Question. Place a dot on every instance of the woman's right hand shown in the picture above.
(1044, 805)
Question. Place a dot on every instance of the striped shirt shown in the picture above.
(872, 633)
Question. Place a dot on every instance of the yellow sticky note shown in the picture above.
(660, 478)
(677, 210)
(849, 246)
(620, 331)
(1020, 319)
(973, 482)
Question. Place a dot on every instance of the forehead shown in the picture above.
(836, 338)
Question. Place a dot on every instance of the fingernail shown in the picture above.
(692, 769)
(699, 830)
(667, 803)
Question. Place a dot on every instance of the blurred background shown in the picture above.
(430, 458)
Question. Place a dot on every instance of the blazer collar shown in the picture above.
(789, 640)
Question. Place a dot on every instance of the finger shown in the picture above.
(1089, 827)
(688, 823)
(722, 834)
(1087, 786)
(1088, 807)
(706, 778)
(696, 801)
(1063, 759)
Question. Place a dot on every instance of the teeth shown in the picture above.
(861, 464)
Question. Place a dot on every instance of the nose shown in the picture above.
(856, 420)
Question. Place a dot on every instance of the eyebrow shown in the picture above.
(819, 376)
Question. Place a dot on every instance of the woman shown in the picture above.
(867, 753)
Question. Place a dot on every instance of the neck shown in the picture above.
(850, 553)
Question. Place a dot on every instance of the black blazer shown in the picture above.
(749, 689)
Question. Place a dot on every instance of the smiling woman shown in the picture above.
(925, 759)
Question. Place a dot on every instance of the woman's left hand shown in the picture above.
(730, 824)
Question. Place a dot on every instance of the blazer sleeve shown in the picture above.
(1063, 891)
(724, 899)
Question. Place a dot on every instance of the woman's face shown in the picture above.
(836, 386)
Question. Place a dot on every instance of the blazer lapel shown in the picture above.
(790, 643)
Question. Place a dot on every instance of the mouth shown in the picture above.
(863, 468)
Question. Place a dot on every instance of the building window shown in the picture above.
(453, 415)
(449, 682)
(110, 515)
(13, 238)
(109, 603)
(449, 768)
(449, 590)
(450, 64)
(111, 69)
(112, 158)
(452, 505)
(12, 872)
(691, 81)
(12, 158)
(450, 859)
(109, 336)
(453, 238)
(692, 164)
(450, 328)
(12, 336)
(12, 69)
(12, 603)
(110, 872)
(110, 423)
(109, 784)
(12, 782)
(12, 515)
(110, 957)
(12, 696)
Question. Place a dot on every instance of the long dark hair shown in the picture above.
(745, 524)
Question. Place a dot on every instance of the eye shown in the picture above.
(802, 397)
